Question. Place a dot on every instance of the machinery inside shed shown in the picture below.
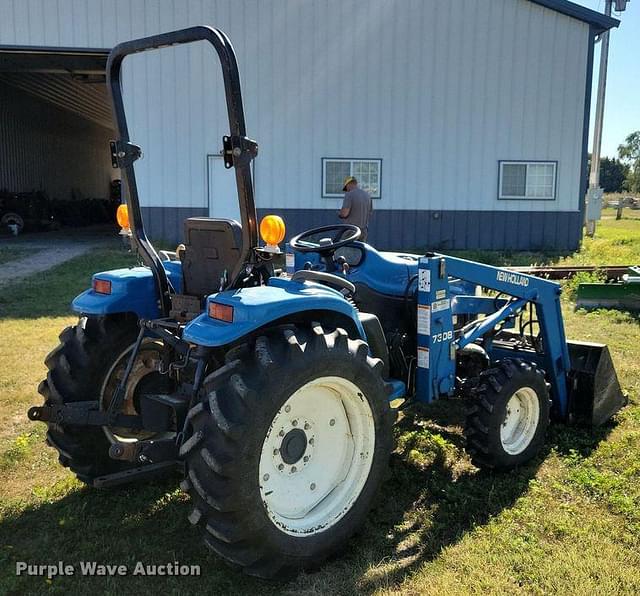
(56, 123)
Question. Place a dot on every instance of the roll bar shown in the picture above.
(238, 149)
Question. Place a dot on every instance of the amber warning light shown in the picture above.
(272, 230)
(221, 312)
(102, 286)
(122, 217)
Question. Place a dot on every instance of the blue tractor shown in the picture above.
(273, 392)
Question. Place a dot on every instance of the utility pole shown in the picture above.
(595, 193)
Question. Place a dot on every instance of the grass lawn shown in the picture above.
(567, 523)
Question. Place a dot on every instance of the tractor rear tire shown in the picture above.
(508, 416)
(273, 489)
(77, 370)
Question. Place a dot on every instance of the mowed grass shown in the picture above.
(569, 522)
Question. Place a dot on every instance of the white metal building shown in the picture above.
(466, 119)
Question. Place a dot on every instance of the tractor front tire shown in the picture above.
(77, 369)
(508, 415)
(288, 449)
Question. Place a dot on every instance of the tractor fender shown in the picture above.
(253, 308)
(132, 290)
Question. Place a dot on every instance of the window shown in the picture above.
(528, 180)
(366, 171)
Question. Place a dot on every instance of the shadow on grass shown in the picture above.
(453, 502)
(116, 526)
(446, 501)
(430, 500)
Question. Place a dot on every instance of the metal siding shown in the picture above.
(440, 92)
(597, 20)
(584, 180)
(47, 148)
(470, 230)
(536, 235)
(164, 225)
(435, 230)
(499, 236)
(89, 100)
(523, 227)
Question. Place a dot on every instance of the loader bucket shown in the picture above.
(595, 393)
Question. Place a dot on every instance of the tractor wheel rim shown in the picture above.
(308, 495)
(147, 364)
(521, 420)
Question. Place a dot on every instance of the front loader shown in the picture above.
(271, 392)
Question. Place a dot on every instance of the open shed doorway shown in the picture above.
(55, 126)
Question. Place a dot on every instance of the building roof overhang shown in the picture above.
(600, 22)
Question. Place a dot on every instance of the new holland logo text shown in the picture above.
(512, 278)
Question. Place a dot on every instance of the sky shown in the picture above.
(622, 102)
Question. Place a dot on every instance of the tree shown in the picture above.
(629, 153)
(612, 173)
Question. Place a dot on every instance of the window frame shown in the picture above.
(527, 162)
(350, 160)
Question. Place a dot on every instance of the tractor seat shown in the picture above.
(212, 249)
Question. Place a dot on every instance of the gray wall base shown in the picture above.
(164, 225)
(442, 230)
(394, 229)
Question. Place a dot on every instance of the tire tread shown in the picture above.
(481, 426)
(231, 523)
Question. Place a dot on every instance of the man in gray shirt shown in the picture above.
(356, 207)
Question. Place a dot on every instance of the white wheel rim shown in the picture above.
(312, 493)
(520, 421)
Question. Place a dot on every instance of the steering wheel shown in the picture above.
(326, 245)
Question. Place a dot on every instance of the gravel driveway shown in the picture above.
(51, 249)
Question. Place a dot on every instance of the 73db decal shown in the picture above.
(444, 336)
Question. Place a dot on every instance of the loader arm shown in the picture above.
(437, 345)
